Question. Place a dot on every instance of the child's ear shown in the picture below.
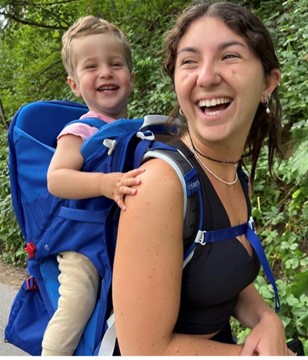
(132, 77)
(73, 85)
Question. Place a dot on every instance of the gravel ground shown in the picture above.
(11, 279)
(12, 276)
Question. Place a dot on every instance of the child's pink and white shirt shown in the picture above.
(84, 131)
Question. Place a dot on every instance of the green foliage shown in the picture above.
(31, 69)
(294, 302)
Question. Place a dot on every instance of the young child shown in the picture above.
(98, 60)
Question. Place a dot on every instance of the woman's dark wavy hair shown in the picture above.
(247, 25)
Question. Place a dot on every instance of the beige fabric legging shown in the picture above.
(79, 282)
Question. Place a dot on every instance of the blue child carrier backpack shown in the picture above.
(89, 226)
(46, 220)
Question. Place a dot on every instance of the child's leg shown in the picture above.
(79, 282)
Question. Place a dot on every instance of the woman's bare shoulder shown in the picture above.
(160, 188)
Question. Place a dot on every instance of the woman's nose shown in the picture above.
(209, 75)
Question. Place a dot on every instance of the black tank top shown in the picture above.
(217, 273)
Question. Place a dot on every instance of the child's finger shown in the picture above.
(135, 172)
(126, 190)
(120, 202)
(131, 182)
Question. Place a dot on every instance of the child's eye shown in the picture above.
(90, 66)
(117, 64)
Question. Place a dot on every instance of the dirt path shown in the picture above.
(11, 275)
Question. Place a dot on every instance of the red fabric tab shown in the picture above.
(30, 248)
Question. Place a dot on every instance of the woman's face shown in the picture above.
(219, 82)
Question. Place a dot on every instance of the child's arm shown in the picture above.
(65, 180)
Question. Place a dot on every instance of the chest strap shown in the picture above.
(247, 229)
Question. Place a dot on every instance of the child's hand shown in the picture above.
(124, 187)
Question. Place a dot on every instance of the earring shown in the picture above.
(181, 112)
(268, 110)
(266, 101)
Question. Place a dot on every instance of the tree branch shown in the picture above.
(30, 22)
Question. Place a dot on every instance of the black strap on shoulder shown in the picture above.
(193, 199)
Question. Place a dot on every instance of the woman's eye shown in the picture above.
(188, 62)
(230, 56)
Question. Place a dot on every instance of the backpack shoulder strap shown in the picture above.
(95, 122)
(193, 199)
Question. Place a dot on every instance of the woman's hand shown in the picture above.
(267, 338)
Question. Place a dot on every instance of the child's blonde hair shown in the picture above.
(89, 25)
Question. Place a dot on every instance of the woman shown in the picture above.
(225, 74)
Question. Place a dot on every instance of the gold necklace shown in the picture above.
(191, 146)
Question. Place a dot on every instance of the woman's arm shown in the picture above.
(65, 180)
(148, 271)
(267, 337)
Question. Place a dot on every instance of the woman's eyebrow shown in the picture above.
(221, 46)
(187, 49)
(227, 44)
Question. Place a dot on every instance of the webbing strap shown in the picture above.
(208, 237)
(89, 121)
(140, 151)
(108, 343)
(256, 244)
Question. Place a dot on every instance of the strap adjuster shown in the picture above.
(200, 238)
(251, 224)
(31, 283)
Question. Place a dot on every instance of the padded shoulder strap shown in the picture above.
(193, 199)
(89, 121)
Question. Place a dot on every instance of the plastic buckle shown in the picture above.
(31, 283)
(110, 144)
(200, 238)
(251, 223)
(146, 135)
(30, 248)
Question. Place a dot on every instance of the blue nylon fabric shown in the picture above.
(31, 146)
(46, 220)
(256, 244)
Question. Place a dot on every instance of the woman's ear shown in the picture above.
(271, 82)
(73, 85)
